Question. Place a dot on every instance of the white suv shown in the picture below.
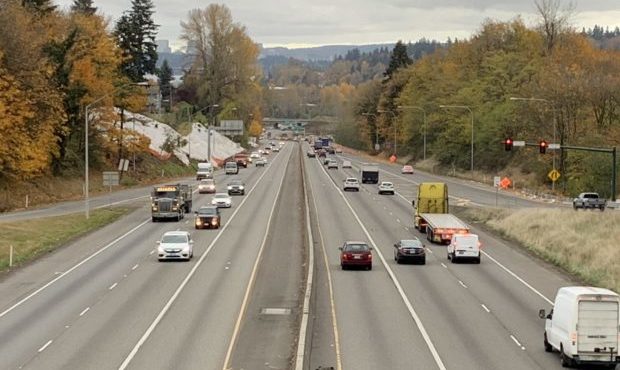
(386, 187)
(175, 245)
(351, 183)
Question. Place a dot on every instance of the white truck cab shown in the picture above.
(464, 246)
(584, 326)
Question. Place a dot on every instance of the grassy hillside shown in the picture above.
(584, 244)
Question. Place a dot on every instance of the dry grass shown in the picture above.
(585, 244)
(32, 238)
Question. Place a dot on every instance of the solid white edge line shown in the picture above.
(84, 311)
(463, 284)
(303, 327)
(395, 281)
(248, 290)
(73, 268)
(444, 265)
(45, 346)
(518, 278)
(120, 202)
(168, 304)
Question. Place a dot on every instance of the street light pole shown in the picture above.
(86, 159)
(553, 109)
(393, 124)
(415, 107)
(376, 128)
(472, 129)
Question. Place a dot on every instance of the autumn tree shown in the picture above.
(224, 56)
(135, 32)
(85, 7)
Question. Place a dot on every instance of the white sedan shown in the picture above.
(351, 183)
(175, 245)
(221, 200)
(346, 164)
(386, 187)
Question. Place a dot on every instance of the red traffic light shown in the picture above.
(508, 144)
(542, 146)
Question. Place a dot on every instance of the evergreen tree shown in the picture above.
(165, 76)
(398, 59)
(39, 6)
(83, 7)
(135, 32)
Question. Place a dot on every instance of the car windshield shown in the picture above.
(220, 196)
(207, 182)
(386, 184)
(174, 239)
(208, 211)
(356, 248)
(165, 194)
(351, 180)
(236, 182)
(411, 243)
(231, 164)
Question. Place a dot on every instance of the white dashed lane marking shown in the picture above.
(45, 346)
(485, 308)
(113, 286)
(85, 310)
(517, 342)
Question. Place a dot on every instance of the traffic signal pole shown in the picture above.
(509, 144)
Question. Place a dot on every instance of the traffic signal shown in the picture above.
(508, 144)
(542, 147)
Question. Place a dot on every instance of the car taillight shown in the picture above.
(369, 256)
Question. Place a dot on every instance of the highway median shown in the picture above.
(583, 244)
(31, 239)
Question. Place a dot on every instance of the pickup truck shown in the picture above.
(589, 200)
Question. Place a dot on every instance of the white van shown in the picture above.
(231, 168)
(464, 246)
(205, 171)
(583, 326)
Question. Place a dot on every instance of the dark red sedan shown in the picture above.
(355, 254)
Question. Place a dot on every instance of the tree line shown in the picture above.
(55, 63)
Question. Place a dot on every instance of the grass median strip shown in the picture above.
(32, 238)
(584, 243)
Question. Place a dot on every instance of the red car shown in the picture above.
(355, 254)
(407, 169)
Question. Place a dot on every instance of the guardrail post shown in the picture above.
(613, 175)
(10, 256)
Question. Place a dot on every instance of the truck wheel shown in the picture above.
(453, 259)
(477, 260)
(548, 347)
(565, 361)
(154, 219)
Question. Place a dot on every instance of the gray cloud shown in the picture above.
(360, 21)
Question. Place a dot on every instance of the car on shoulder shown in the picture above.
(175, 245)
(236, 187)
(351, 183)
(207, 217)
(332, 164)
(206, 186)
(311, 153)
(386, 187)
(261, 162)
(338, 150)
(410, 250)
(355, 254)
(346, 164)
(407, 169)
(221, 200)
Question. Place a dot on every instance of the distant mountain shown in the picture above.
(319, 53)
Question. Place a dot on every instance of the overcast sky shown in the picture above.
(296, 23)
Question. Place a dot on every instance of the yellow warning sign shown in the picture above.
(554, 175)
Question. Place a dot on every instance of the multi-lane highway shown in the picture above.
(104, 302)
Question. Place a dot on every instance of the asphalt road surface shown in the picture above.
(105, 302)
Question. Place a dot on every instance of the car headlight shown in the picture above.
(198, 222)
(229, 188)
(175, 208)
(154, 208)
(241, 187)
